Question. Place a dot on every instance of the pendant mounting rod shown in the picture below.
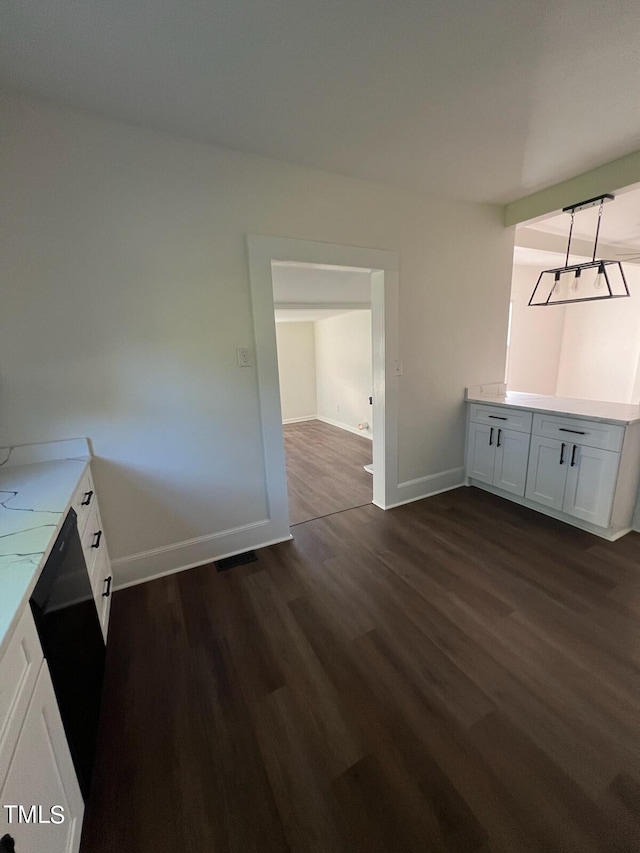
(590, 202)
(566, 261)
(595, 242)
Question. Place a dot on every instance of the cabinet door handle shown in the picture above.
(573, 455)
(96, 539)
(107, 587)
(7, 844)
(499, 434)
(574, 431)
(491, 437)
(86, 500)
(562, 454)
(497, 417)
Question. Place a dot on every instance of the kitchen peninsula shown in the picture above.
(575, 460)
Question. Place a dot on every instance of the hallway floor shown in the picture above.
(324, 470)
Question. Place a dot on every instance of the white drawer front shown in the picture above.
(93, 537)
(83, 500)
(103, 612)
(100, 571)
(500, 416)
(19, 669)
(101, 584)
(577, 431)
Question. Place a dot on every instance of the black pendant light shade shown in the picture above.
(587, 282)
(580, 283)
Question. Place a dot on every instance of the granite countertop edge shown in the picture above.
(601, 412)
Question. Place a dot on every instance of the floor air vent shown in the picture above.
(237, 560)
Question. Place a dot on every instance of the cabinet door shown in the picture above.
(547, 473)
(41, 773)
(591, 483)
(512, 456)
(19, 668)
(481, 452)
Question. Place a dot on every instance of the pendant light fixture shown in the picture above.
(595, 279)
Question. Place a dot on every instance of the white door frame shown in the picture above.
(384, 325)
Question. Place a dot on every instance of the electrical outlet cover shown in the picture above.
(244, 357)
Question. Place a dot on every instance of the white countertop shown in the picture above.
(617, 413)
(34, 500)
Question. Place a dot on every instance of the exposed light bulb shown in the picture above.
(599, 282)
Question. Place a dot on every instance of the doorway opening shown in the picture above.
(381, 270)
(325, 368)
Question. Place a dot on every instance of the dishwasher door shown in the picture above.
(67, 621)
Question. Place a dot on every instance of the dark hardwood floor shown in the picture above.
(458, 674)
(324, 470)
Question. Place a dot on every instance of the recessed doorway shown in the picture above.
(325, 369)
(382, 271)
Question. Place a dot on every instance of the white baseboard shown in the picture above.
(603, 533)
(158, 562)
(347, 427)
(177, 557)
(426, 487)
(299, 420)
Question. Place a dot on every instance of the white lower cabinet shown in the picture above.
(579, 481)
(41, 775)
(498, 456)
(581, 471)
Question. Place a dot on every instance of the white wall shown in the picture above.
(601, 347)
(536, 337)
(125, 292)
(297, 370)
(344, 370)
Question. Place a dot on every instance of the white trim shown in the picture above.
(300, 420)
(169, 559)
(615, 176)
(426, 487)
(362, 433)
(384, 323)
(322, 306)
